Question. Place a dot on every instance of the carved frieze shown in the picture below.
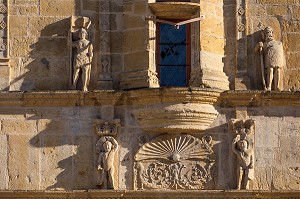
(174, 162)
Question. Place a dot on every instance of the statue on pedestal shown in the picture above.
(107, 147)
(81, 52)
(271, 58)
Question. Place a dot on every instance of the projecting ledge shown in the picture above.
(89, 194)
(174, 10)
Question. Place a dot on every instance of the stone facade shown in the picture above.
(161, 138)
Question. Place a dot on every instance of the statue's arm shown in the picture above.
(233, 146)
(259, 47)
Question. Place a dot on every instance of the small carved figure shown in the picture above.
(107, 147)
(244, 152)
(272, 59)
(82, 59)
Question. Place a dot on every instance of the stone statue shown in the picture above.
(272, 59)
(82, 59)
(107, 147)
(245, 172)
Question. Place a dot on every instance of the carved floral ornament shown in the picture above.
(174, 162)
(110, 128)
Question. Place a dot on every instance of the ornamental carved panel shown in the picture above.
(174, 162)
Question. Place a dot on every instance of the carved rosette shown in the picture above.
(174, 162)
(107, 128)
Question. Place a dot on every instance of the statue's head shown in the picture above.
(82, 34)
(268, 34)
(107, 145)
(242, 145)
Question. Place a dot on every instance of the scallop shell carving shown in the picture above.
(175, 148)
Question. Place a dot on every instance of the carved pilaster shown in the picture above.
(105, 77)
(4, 46)
(242, 81)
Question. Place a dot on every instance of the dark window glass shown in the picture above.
(173, 66)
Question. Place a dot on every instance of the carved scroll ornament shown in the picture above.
(174, 162)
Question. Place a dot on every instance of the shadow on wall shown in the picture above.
(47, 65)
(67, 149)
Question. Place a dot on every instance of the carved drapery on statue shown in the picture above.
(174, 162)
(243, 148)
(81, 52)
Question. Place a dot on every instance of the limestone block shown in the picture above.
(292, 61)
(256, 10)
(263, 177)
(212, 43)
(139, 8)
(266, 132)
(52, 47)
(265, 157)
(289, 151)
(135, 40)
(116, 6)
(133, 21)
(25, 10)
(216, 29)
(52, 126)
(290, 42)
(57, 7)
(23, 163)
(25, 127)
(56, 162)
(48, 26)
(91, 5)
(18, 25)
(291, 79)
(3, 162)
(21, 46)
(136, 61)
(84, 164)
(282, 175)
(117, 47)
(26, 2)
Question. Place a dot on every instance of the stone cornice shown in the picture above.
(259, 98)
(88, 194)
(150, 96)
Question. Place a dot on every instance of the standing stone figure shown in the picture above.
(82, 59)
(244, 153)
(107, 147)
(272, 59)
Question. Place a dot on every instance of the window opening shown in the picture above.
(173, 54)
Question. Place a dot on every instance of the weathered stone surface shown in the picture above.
(57, 7)
(3, 162)
(23, 162)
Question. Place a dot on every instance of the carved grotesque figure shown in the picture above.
(82, 59)
(245, 162)
(107, 147)
(272, 59)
